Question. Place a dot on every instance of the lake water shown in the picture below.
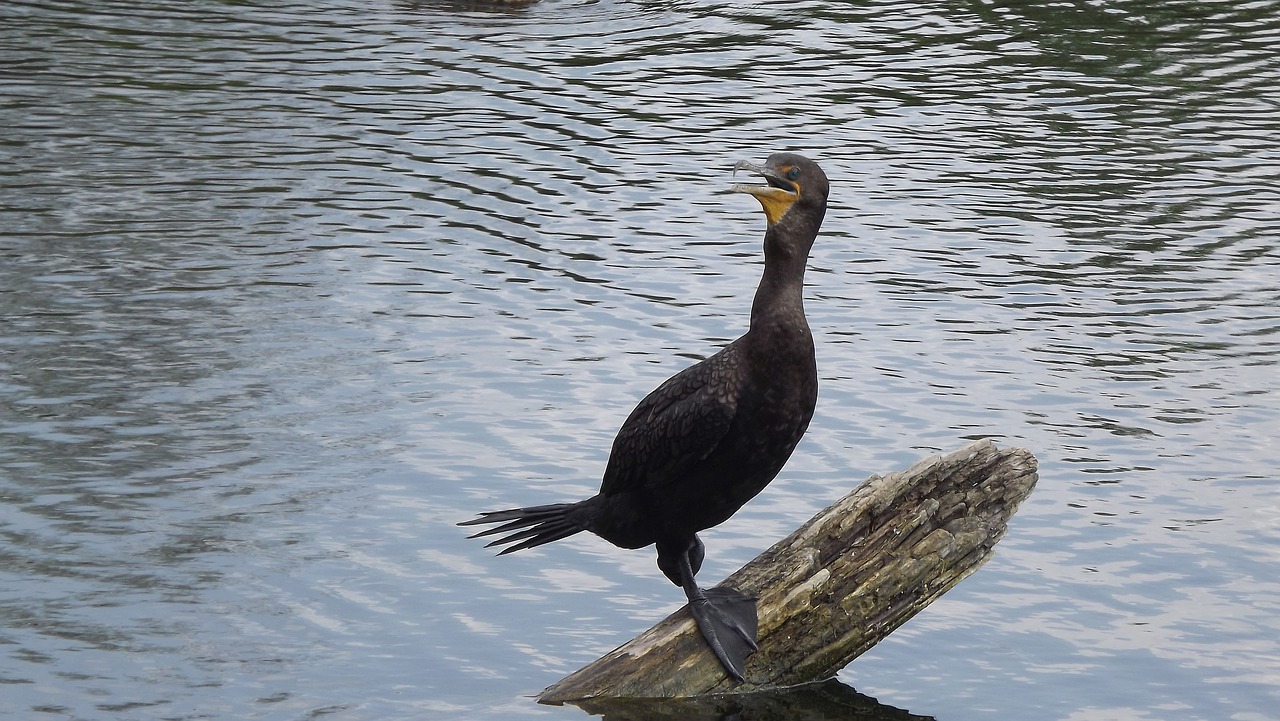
(287, 290)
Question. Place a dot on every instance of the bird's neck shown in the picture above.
(780, 296)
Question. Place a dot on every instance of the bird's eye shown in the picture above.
(793, 173)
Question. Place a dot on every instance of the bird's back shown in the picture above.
(708, 440)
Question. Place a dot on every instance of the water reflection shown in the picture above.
(827, 700)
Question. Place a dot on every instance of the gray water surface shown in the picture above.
(287, 290)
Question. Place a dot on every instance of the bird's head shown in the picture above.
(790, 180)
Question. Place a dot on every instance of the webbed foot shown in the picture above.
(728, 622)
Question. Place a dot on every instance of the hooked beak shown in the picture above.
(776, 194)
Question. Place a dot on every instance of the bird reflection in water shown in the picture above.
(830, 699)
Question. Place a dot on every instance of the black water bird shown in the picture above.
(713, 435)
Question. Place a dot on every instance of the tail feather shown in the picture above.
(533, 526)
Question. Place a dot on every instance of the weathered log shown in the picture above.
(836, 586)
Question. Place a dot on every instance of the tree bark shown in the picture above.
(836, 586)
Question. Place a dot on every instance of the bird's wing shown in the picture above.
(675, 427)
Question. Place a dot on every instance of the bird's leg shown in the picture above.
(726, 618)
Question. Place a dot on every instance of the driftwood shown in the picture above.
(836, 586)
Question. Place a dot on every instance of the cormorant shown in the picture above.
(713, 435)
